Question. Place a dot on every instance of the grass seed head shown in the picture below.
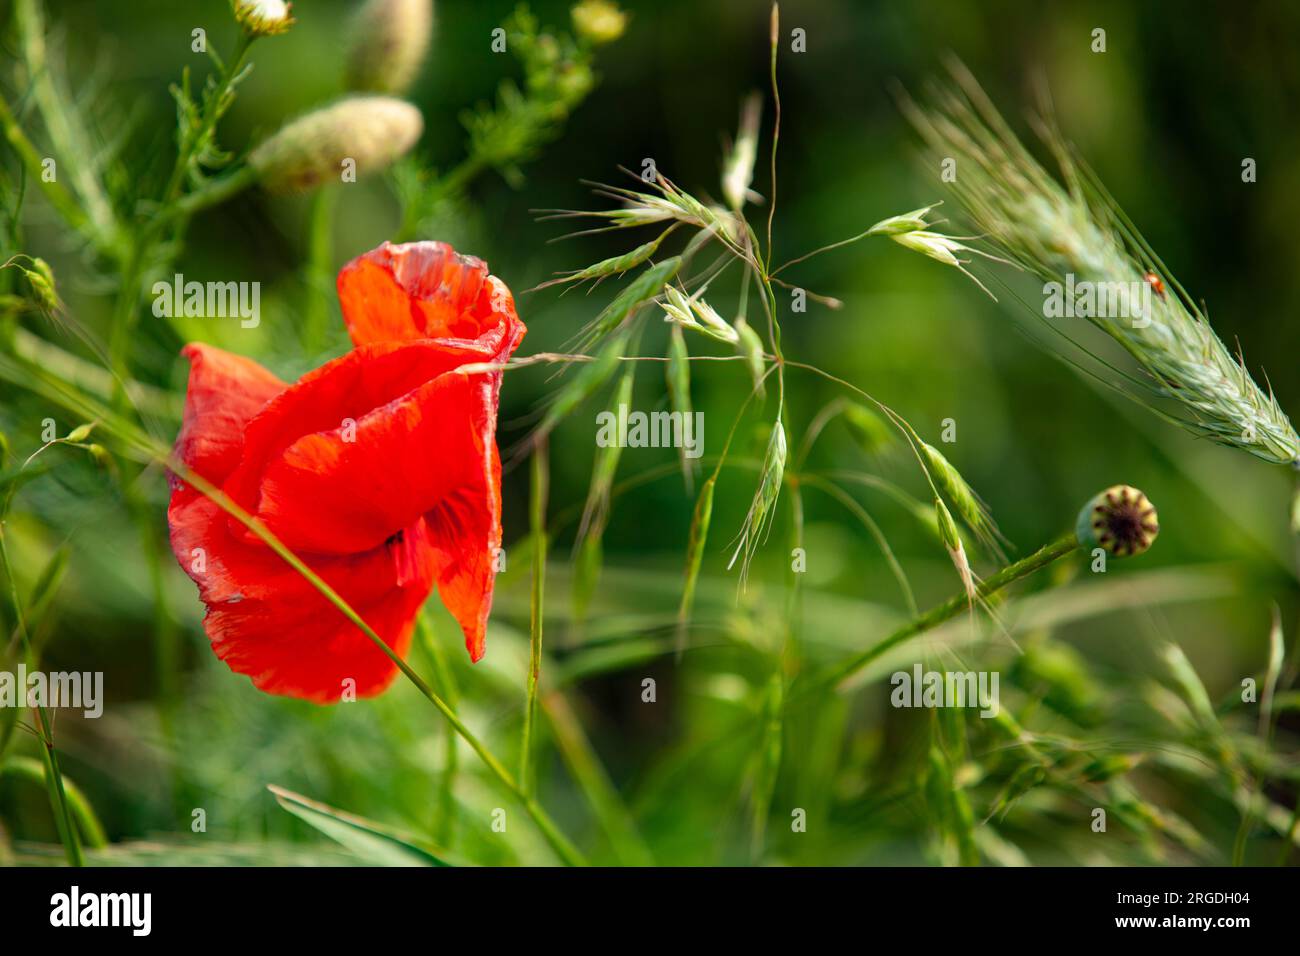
(696, 314)
(759, 517)
(951, 538)
(750, 346)
(1070, 231)
(738, 165)
(913, 221)
(869, 429)
(613, 266)
(80, 433)
(962, 496)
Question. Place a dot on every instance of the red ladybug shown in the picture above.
(1156, 283)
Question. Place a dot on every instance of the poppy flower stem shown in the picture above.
(446, 810)
(558, 841)
(45, 729)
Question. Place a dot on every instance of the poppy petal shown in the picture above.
(267, 621)
(465, 530)
(426, 290)
(430, 453)
(362, 447)
(225, 392)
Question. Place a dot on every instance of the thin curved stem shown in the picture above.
(950, 608)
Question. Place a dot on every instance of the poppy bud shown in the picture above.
(389, 41)
(371, 131)
(263, 18)
(598, 21)
(1121, 520)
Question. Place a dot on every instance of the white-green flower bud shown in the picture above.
(360, 133)
(389, 40)
(598, 21)
(263, 18)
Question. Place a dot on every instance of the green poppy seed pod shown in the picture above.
(1121, 520)
(359, 134)
(598, 21)
(389, 40)
(263, 18)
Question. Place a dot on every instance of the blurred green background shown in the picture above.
(1165, 116)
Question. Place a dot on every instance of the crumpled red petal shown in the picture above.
(410, 291)
(264, 619)
(427, 290)
(379, 469)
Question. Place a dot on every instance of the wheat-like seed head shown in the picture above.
(1075, 233)
(759, 518)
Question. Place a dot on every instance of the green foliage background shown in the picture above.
(1165, 116)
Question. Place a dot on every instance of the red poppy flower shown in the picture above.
(379, 470)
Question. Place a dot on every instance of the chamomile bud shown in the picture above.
(389, 40)
(598, 21)
(1121, 520)
(370, 132)
(263, 18)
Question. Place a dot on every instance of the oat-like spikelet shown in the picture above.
(759, 517)
(1071, 232)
